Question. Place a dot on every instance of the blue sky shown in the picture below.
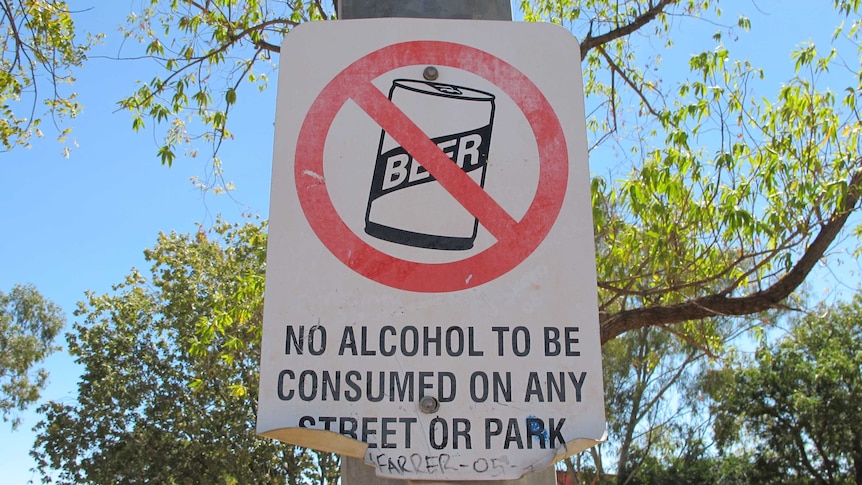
(81, 224)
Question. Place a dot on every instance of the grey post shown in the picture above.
(427, 9)
(353, 470)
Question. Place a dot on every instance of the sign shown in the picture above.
(430, 296)
(514, 240)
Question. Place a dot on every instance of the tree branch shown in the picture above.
(722, 305)
(591, 42)
(616, 68)
(687, 339)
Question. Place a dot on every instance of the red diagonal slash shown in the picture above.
(516, 240)
(457, 182)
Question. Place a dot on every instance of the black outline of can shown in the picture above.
(418, 239)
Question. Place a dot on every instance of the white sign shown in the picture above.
(430, 294)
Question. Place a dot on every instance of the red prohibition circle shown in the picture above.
(516, 240)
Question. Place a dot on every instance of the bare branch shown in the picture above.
(320, 9)
(262, 26)
(616, 68)
(591, 42)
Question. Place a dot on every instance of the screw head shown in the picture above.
(430, 73)
(428, 404)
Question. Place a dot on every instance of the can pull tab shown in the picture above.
(447, 89)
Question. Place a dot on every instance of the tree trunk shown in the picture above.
(857, 458)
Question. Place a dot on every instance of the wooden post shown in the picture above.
(354, 471)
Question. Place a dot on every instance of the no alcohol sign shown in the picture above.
(430, 296)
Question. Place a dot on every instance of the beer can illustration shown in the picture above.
(406, 204)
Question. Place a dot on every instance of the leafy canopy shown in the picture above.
(136, 418)
(206, 51)
(39, 49)
(714, 194)
(29, 324)
(797, 403)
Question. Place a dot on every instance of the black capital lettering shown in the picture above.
(428, 340)
(578, 383)
(500, 332)
(306, 421)
(513, 435)
(386, 432)
(524, 348)
(363, 332)
(384, 350)
(534, 388)
(493, 427)
(461, 429)
(571, 341)
(535, 429)
(317, 333)
(368, 431)
(347, 427)
(444, 431)
(348, 341)
(280, 388)
(556, 433)
(552, 342)
(408, 423)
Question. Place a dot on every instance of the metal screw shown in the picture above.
(430, 73)
(429, 404)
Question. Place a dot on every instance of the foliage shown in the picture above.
(136, 418)
(659, 425)
(38, 42)
(695, 465)
(206, 51)
(798, 404)
(28, 326)
(714, 193)
(725, 191)
(723, 196)
(645, 369)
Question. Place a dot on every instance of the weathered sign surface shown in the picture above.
(430, 295)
